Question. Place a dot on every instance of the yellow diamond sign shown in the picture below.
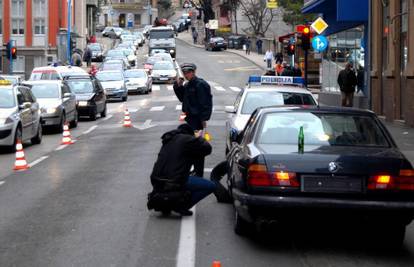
(319, 25)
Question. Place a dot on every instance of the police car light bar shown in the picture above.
(287, 80)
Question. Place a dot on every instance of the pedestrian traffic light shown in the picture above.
(291, 49)
(14, 52)
(11, 51)
(305, 38)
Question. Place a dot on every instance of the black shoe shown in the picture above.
(184, 212)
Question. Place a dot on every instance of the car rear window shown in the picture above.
(45, 90)
(321, 129)
(254, 100)
(81, 86)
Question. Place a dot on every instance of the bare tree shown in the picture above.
(258, 15)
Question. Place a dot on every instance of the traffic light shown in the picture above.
(305, 38)
(11, 51)
(291, 49)
(14, 52)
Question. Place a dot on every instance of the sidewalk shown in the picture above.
(254, 58)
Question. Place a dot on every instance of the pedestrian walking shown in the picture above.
(248, 45)
(87, 56)
(259, 45)
(174, 189)
(197, 103)
(347, 81)
(279, 58)
(195, 36)
(76, 59)
(268, 58)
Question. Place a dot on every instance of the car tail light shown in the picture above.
(404, 181)
(259, 176)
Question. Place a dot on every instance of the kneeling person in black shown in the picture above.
(171, 172)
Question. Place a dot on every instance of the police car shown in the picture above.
(19, 115)
(263, 91)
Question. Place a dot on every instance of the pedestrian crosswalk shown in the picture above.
(214, 88)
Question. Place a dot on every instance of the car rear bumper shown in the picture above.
(287, 202)
(138, 89)
(51, 120)
(116, 95)
(86, 110)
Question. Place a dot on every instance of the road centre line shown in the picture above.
(37, 161)
(187, 244)
(107, 117)
(90, 129)
(157, 108)
(219, 88)
(235, 89)
(2, 183)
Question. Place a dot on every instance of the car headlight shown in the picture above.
(171, 51)
(83, 103)
(51, 110)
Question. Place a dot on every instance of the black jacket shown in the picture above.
(177, 155)
(197, 101)
(347, 81)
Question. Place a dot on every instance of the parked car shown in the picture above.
(90, 96)
(138, 81)
(236, 41)
(216, 43)
(113, 82)
(19, 116)
(57, 103)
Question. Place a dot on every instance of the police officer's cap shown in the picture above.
(188, 67)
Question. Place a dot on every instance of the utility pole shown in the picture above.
(68, 52)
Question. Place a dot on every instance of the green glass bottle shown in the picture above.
(301, 141)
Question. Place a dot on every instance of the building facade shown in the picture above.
(34, 26)
(392, 59)
(128, 13)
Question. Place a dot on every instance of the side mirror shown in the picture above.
(229, 109)
(67, 95)
(25, 105)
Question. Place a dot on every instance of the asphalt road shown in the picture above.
(85, 204)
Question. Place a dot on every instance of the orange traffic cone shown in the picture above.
(67, 138)
(127, 119)
(216, 264)
(20, 163)
(182, 116)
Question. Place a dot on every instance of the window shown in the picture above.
(404, 37)
(1, 18)
(39, 61)
(18, 17)
(39, 14)
(19, 64)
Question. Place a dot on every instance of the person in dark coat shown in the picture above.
(171, 171)
(279, 58)
(287, 70)
(197, 103)
(248, 44)
(87, 56)
(259, 45)
(297, 72)
(347, 81)
(76, 59)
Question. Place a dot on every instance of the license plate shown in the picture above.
(163, 79)
(331, 184)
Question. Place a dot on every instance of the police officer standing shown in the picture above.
(197, 103)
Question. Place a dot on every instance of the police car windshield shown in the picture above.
(321, 130)
(45, 90)
(81, 86)
(7, 99)
(254, 100)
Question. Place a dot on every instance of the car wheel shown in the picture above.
(93, 114)
(241, 226)
(124, 98)
(38, 138)
(103, 113)
(74, 122)
(59, 127)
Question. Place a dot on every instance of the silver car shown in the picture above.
(57, 103)
(138, 81)
(113, 84)
(19, 115)
(164, 72)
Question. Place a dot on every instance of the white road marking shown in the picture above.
(133, 110)
(219, 88)
(186, 246)
(235, 89)
(61, 147)
(107, 117)
(156, 88)
(208, 169)
(2, 182)
(146, 125)
(170, 87)
(37, 161)
(178, 107)
(157, 108)
(90, 129)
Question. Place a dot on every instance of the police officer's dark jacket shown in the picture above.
(179, 149)
(196, 98)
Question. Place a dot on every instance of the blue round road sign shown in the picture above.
(319, 43)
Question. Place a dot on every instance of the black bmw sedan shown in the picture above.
(300, 161)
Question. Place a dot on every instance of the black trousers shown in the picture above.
(197, 125)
